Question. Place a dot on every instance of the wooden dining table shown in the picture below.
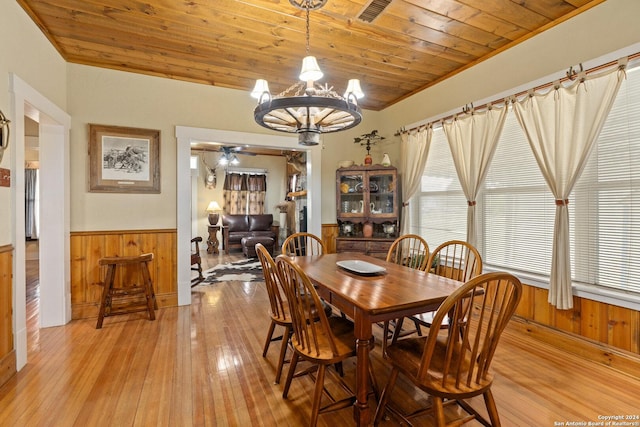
(371, 297)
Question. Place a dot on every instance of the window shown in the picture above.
(441, 212)
(608, 239)
(517, 210)
(518, 207)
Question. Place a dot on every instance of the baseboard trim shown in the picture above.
(594, 351)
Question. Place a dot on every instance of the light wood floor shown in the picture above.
(201, 365)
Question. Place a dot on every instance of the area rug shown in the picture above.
(246, 270)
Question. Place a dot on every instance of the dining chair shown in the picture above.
(317, 338)
(196, 260)
(279, 307)
(409, 250)
(302, 243)
(456, 260)
(453, 365)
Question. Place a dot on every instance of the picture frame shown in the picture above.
(123, 159)
(4, 134)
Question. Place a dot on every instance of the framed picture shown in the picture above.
(124, 160)
(4, 134)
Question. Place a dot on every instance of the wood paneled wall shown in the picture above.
(598, 322)
(329, 234)
(7, 352)
(88, 247)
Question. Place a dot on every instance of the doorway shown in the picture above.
(32, 229)
(187, 135)
(54, 258)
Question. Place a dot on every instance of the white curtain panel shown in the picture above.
(473, 139)
(562, 126)
(414, 150)
(31, 221)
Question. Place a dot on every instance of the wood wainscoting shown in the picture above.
(597, 322)
(88, 247)
(329, 234)
(7, 352)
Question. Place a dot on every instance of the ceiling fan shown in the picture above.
(229, 157)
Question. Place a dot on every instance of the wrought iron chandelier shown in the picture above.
(306, 108)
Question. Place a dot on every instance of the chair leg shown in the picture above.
(397, 329)
(152, 304)
(418, 330)
(286, 335)
(438, 411)
(292, 370)
(272, 327)
(384, 397)
(105, 299)
(317, 395)
(491, 408)
(374, 383)
(385, 337)
(199, 269)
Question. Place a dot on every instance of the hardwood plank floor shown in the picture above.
(202, 365)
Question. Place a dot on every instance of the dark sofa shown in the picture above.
(236, 227)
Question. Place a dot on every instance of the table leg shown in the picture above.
(212, 241)
(363, 333)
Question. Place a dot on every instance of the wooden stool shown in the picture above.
(132, 305)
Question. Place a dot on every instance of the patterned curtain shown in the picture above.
(244, 194)
(257, 190)
(235, 194)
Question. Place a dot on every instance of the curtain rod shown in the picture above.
(571, 75)
(248, 171)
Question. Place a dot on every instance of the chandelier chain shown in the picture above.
(305, 107)
(307, 30)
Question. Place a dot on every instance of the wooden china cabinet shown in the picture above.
(367, 205)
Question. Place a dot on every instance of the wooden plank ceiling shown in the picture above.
(409, 46)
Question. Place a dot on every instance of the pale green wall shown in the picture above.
(92, 95)
(26, 52)
(340, 146)
(124, 99)
(608, 27)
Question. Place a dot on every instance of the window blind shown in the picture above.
(442, 207)
(608, 225)
(517, 210)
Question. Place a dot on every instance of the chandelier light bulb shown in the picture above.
(261, 87)
(310, 70)
(354, 88)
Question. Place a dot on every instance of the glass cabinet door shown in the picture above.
(382, 195)
(352, 196)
